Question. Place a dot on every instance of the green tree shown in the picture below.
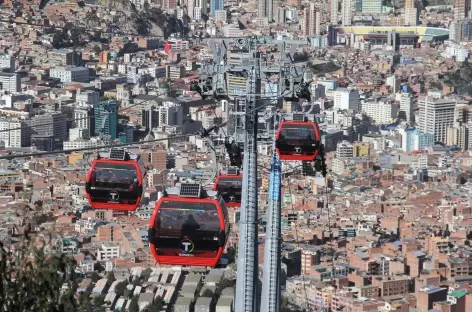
(231, 251)
(33, 281)
(284, 303)
(146, 274)
(436, 84)
(156, 305)
(68, 300)
(86, 306)
(95, 277)
(133, 306)
(83, 297)
(99, 301)
(120, 288)
(110, 278)
(224, 283)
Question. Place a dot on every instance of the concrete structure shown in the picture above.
(70, 74)
(312, 20)
(406, 106)
(106, 119)
(458, 135)
(461, 9)
(424, 33)
(183, 304)
(265, 9)
(411, 16)
(107, 251)
(371, 6)
(415, 140)
(435, 116)
(346, 99)
(7, 62)
(346, 12)
(10, 82)
(344, 149)
(12, 134)
(64, 57)
(48, 125)
(381, 112)
(334, 12)
(175, 71)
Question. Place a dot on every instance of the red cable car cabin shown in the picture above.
(297, 140)
(116, 181)
(230, 188)
(189, 229)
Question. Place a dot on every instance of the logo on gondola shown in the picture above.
(114, 196)
(186, 246)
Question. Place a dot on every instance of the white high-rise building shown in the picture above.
(12, 137)
(10, 82)
(406, 105)
(435, 116)
(312, 21)
(458, 135)
(221, 16)
(82, 118)
(87, 97)
(171, 114)
(7, 62)
(203, 4)
(456, 51)
(394, 82)
(197, 13)
(346, 12)
(381, 112)
(371, 6)
(346, 99)
(334, 12)
(191, 8)
(265, 8)
(69, 74)
(78, 133)
(344, 149)
(411, 16)
(455, 31)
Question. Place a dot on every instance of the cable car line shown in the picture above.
(185, 243)
(69, 119)
(203, 133)
(36, 154)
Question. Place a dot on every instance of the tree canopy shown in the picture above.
(134, 306)
(32, 280)
(35, 277)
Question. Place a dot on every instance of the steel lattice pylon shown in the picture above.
(247, 296)
(270, 301)
(247, 269)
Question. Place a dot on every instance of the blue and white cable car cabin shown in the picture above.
(189, 227)
(298, 140)
(116, 181)
(230, 186)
